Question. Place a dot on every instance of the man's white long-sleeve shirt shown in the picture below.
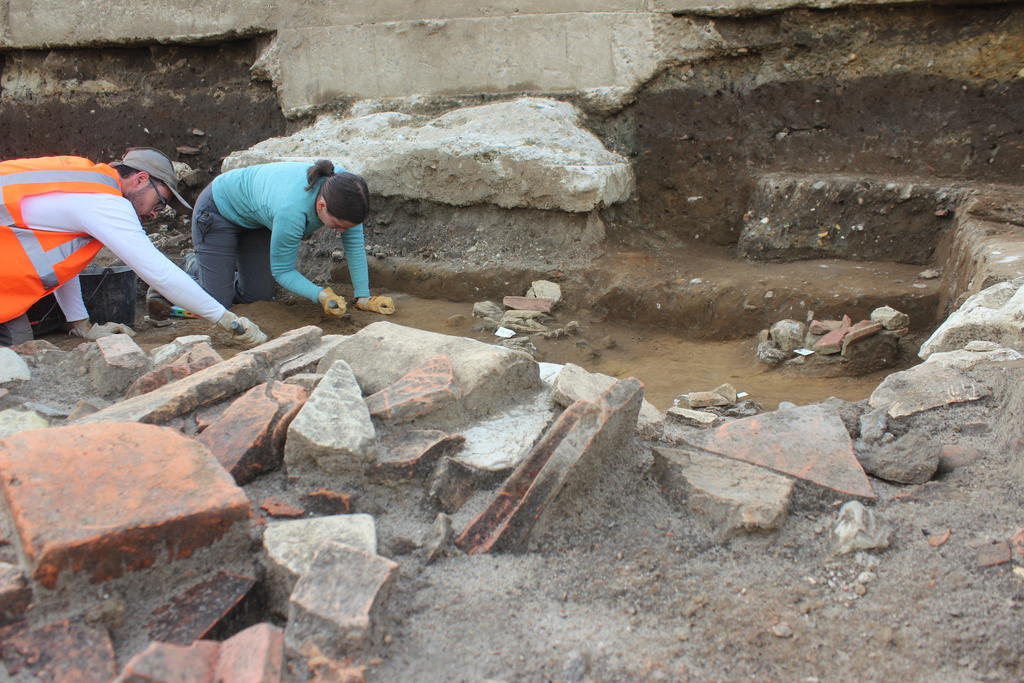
(113, 221)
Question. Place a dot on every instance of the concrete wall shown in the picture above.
(331, 51)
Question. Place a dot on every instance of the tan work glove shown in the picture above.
(331, 302)
(92, 332)
(378, 304)
(242, 330)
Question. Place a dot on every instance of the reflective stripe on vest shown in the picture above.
(62, 176)
(44, 260)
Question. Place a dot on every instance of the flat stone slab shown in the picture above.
(333, 430)
(924, 387)
(334, 605)
(291, 545)
(808, 442)
(421, 391)
(501, 441)
(139, 495)
(529, 152)
(528, 303)
(382, 353)
(572, 451)
(992, 314)
(248, 438)
(733, 496)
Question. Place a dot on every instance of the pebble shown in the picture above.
(782, 630)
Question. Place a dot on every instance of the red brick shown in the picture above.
(275, 507)
(193, 613)
(421, 391)
(255, 655)
(248, 437)
(65, 652)
(102, 500)
(831, 342)
(164, 662)
(861, 330)
(525, 303)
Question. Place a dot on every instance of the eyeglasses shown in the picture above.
(162, 204)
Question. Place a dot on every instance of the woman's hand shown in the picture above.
(378, 304)
(331, 302)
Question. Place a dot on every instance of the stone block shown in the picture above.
(194, 612)
(290, 547)
(15, 593)
(140, 495)
(114, 363)
(788, 334)
(808, 442)
(307, 361)
(203, 388)
(890, 318)
(333, 430)
(162, 355)
(413, 454)
(526, 303)
(693, 418)
(992, 314)
(13, 421)
(66, 650)
(335, 604)
(545, 289)
(421, 391)
(733, 496)
(289, 345)
(704, 399)
(573, 451)
(248, 438)
(924, 387)
(13, 367)
(573, 383)
(381, 353)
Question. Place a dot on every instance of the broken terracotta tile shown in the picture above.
(939, 539)
(140, 495)
(67, 651)
(327, 502)
(421, 391)
(275, 507)
(994, 554)
(412, 454)
(831, 342)
(169, 662)
(254, 655)
(248, 437)
(1017, 541)
(857, 334)
(192, 614)
(525, 303)
(584, 436)
(808, 442)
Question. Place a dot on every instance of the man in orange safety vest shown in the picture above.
(56, 213)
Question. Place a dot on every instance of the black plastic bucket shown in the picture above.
(109, 295)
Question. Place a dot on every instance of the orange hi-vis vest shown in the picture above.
(33, 263)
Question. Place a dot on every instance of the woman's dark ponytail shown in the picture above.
(323, 168)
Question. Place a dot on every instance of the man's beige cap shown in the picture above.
(159, 166)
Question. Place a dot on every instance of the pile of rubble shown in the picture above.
(836, 347)
(201, 498)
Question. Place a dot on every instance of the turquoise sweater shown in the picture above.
(274, 196)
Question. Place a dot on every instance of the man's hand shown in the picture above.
(331, 302)
(242, 330)
(87, 330)
(377, 304)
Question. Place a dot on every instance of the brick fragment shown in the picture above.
(275, 507)
(861, 330)
(994, 554)
(248, 437)
(140, 494)
(831, 342)
(15, 594)
(194, 612)
(68, 651)
(327, 502)
(412, 454)
(165, 662)
(526, 303)
(421, 391)
(255, 655)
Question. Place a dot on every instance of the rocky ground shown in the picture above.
(501, 519)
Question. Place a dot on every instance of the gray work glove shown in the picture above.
(242, 330)
(92, 332)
